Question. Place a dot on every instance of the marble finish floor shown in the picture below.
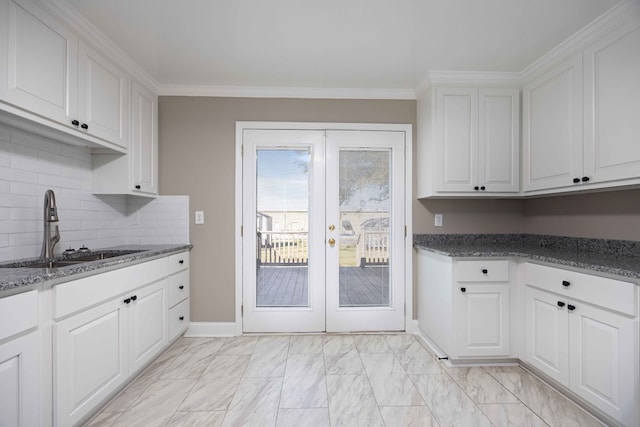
(330, 380)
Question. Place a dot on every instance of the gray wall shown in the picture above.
(197, 158)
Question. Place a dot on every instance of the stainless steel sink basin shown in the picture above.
(72, 260)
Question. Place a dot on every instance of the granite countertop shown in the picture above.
(616, 257)
(17, 277)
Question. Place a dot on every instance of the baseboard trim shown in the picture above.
(213, 329)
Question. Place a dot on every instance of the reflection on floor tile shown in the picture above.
(330, 380)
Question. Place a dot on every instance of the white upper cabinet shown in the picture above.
(103, 97)
(580, 120)
(144, 147)
(552, 121)
(38, 65)
(470, 144)
(52, 78)
(612, 106)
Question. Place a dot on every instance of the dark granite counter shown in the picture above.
(16, 277)
(616, 257)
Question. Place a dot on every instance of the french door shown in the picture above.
(323, 241)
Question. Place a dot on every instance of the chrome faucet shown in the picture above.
(50, 215)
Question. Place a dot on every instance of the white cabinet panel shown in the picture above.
(103, 97)
(546, 335)
(148, 323)
(178, 319)
(19, 404)
(603, 367)
(90, 359)
(552, 120)
(41, 62)
(612, 104)
(482, 320)
(144, 147)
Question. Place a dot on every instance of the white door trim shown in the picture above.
(406, 128)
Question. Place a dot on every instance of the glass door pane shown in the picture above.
(282, 220)
(365, 210)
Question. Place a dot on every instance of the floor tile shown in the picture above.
(351, 401)
(305, 344)
(416, 360)
(239, 345)
(311, 417)
(193, 360)
(211, 394)
(308, 391)
(448, 403)
(391, 385)
(266, 364)
(226, 366)
(304, 364)
(338, 344)
(157, 404)
(400, 342)
(197, 419)
(407, 416)
(480, 386)
(503, 415)
(127, 396)
(104, 419)
(255, 403)
(343, 363)
(371, 344)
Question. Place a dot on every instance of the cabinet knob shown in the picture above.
(75, 123)
(181, 287)
(181, 317)
(476, 188)
(127, 300)
(571, 307)
(483, 188)
(84, 126)
(560, 304)
(585, 179)
(181, 261)
(576, 180)
(463, 289)
(138, 187)
(135, 297)
(485, 271)
(565, 283)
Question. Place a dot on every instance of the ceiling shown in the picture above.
(379, 44)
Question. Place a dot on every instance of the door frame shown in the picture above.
(408, 199)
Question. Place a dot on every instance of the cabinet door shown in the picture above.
(552, 128)
(499, 140)
(482, 319)
(144, 141)
(103, 97)
(604, 360)
(39, 62)
(457, 145)
(148, 323)
(19, 404)
(90, 359)
(612, 104)
(546, 339)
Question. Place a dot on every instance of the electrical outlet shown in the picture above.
(438, 220)
(199, 217)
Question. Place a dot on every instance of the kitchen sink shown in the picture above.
(71, 260)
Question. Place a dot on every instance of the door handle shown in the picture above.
(332, 242)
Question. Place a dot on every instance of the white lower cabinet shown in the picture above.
(19, 405)
(586, 343)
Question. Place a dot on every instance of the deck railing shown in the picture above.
(373, 248)
(282, 247)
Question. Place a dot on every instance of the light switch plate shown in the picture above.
(199, 217)
(438, 220)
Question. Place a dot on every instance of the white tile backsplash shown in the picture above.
(30, 164)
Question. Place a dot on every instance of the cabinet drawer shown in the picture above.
(178, 319)
(18, 313)
(601, 291)
(178, 262)
(482, 271)
(178, 287)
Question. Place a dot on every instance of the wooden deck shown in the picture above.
(288, 286)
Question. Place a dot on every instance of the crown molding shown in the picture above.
(473, 77)
(91, 34)
(578, 41)
(286, 92)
